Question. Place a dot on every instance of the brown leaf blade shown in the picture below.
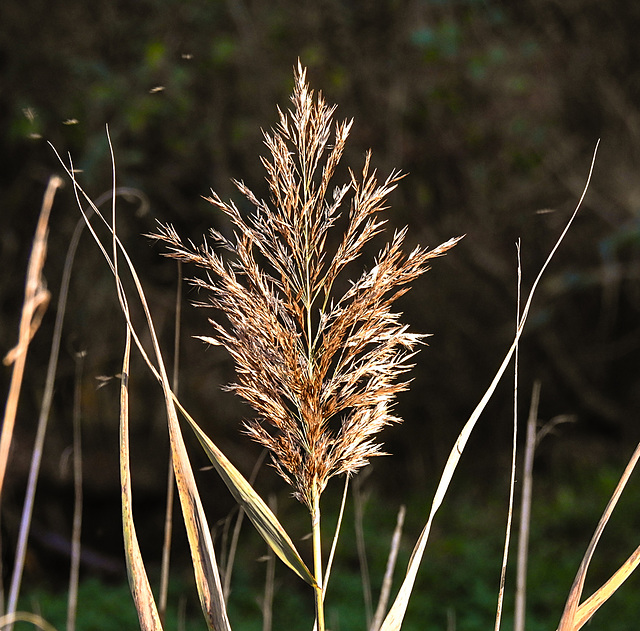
(138, 580)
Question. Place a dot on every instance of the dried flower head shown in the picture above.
(320, 370)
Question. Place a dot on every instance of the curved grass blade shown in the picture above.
(138, 579)
(36, 300)
(25, 616)
(393, 621)
(261, 516)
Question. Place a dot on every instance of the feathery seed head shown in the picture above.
(320, 370)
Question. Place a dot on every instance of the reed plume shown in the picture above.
(320, 370)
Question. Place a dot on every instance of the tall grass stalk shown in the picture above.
(359, 503)
(269, 583)
(514, 449)
(385, 591)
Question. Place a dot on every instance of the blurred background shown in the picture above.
(492, 108)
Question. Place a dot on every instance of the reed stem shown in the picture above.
(317, 554)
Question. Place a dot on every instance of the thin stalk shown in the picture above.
(74, 576)
(512, 484)
(267, 602)
(358, 505)
(166, 546)
(525, 512)
(385, 591)
(317, 554)
(235, 536)
(335, 537)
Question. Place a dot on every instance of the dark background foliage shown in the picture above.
(492, 108)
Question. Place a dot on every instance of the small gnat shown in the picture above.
(70, 121)
(158, 88)
(30, 114)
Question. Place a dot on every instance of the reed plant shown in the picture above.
(320, 369)
(319, 358)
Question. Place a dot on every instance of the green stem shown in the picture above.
(317, 555)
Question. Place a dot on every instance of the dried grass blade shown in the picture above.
(596, 600)
(168, 513)
(138, 579)
(393, 621)
(571, 620)
(261, 516)
(198, 531)
(36, 298)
